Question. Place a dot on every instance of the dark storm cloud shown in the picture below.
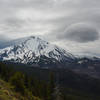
(80, 33)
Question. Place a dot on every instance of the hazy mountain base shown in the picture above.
(72, 86)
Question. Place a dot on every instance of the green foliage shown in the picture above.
(5, 72)
(17, 80)
(51, 87)
(29, 87)
(20, 83)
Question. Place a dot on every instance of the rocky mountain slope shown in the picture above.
(33, 50)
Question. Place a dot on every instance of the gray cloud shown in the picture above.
(80, 33)
(52, 19)
(3, 39)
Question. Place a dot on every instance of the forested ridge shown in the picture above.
(32, 87)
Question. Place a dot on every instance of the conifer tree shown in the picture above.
(51, 86)
(18, 81)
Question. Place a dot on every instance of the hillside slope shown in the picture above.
(7, 92)
(73, 86)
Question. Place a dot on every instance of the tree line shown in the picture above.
(30, 86)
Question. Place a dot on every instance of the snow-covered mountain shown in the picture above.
(33, 50)
(39, 53)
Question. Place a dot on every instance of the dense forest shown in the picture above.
(48, 84)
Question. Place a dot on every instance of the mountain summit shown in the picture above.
(34, 50)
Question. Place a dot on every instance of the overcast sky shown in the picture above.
(71, 24)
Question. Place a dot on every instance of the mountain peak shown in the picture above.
(32, 50)
(34, 43)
